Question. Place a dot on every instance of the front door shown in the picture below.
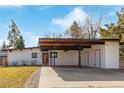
(45, 58)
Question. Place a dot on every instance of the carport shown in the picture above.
(96, 50)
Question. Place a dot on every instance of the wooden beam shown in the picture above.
(73, 40)
(71, 43)
(64, 48)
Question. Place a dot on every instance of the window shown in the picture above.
(34, 55)
(52, 55)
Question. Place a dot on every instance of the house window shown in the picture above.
(34, 55)
(52, 55)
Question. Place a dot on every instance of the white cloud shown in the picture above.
(77, 14)
(31, 40)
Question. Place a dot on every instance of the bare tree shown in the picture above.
(53, 35)
(92, 28)
(87, 29)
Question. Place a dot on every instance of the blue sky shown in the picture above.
(34, 21)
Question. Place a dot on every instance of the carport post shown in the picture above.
(79, 56)
(54, 57)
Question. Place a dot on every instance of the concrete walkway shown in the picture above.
(75, 77)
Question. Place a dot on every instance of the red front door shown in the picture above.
(45, 58)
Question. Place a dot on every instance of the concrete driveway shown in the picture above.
(75, 77)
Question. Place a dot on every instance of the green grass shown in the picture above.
(15, 77)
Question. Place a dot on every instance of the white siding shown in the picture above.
(112, 55)
(107, 58)
(101, 56)
(66, 58)
(85, 57)
(19, 57)
(94, 56)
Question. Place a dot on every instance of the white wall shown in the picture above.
(109, 56)
(66, 58)
(112, 55)
(19, 57)
(94, 56)
(84, 56)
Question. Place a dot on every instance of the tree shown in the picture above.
(88, 29)
(114, 31)
(13, 35)
(53, 35)
(75, 30)
(110, 32)
(4, 46)
(120, 25)
(20, 43)
(91, 27)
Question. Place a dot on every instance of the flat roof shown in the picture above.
(70, 43)
(75, 39)
(4, 50)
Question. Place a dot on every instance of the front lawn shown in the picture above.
(15, 77)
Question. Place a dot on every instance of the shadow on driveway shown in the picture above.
(88, 74)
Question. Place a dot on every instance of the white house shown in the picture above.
(100, 53)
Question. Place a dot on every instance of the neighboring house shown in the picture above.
(100, 53)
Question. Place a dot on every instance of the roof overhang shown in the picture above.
(70, 43)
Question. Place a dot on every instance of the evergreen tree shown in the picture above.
(20, 43)
(13, 35)
(4, 46)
